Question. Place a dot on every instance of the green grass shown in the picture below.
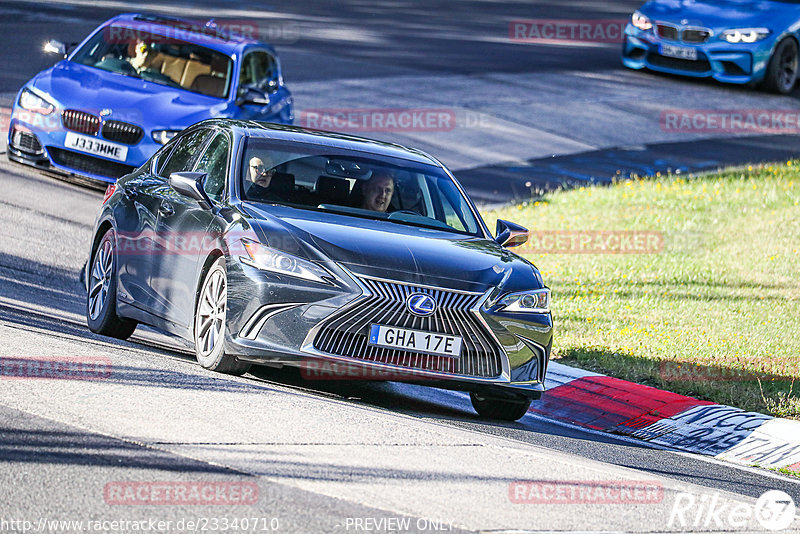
(714, 314)
(785, 471)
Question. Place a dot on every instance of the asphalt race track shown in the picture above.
(335, 456)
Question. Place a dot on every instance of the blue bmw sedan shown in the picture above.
(133, 84)
(732, 41)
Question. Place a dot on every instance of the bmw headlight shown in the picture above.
(270, 259)
(30, 101)
(162, 137)
(535, 301)
(745, 35)
(641, 21)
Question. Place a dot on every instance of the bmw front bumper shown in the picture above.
(717, 59)
(39, 140)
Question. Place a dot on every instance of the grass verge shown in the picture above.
(698, 293)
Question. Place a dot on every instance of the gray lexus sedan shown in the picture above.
(344, 256)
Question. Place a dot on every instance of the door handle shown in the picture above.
(166, 209)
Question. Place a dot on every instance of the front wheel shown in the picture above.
(782, 69)
(101, 294)
(210, 323)
(503, 409)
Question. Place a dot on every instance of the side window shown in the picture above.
(258, 70)
(184, 153)
(214, 162)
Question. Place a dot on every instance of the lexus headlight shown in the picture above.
(269, 259)
(536, 301)
(641, 21)
(31, 102)
(163, 136)
(745, 35)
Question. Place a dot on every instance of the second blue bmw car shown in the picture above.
(134, 83)
(732, 41)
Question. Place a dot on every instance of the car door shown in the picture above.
(175, 228)
(189, 222)
(260, 70)
(136, 233)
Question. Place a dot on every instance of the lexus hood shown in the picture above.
(397, 251)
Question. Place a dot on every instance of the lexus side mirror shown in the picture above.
(510, 234)
(191, 185)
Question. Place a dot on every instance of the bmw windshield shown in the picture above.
(355, 184)
(165, 61)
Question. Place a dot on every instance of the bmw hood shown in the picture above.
(396, 251)
(720, 14)
(130, 99)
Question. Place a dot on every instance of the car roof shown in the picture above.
(342, 141)
(208, 33)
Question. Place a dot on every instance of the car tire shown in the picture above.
(101, 293)
(782, 70)
(210, 323)
(503, 409)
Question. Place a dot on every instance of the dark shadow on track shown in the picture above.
(26, 438)
(508, 183)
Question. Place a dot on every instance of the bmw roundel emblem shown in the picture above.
(421, 304)
(105, 112)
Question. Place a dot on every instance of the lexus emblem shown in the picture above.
(421, 304)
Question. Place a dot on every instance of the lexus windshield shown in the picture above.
(356, 184)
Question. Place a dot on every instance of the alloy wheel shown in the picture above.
(211, 313)
(100, 279)
(788, 67)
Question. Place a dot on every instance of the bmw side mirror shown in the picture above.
(253, 96)
(191, 185)
(55, 47)
(510, 234)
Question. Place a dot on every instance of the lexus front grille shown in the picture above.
(80, 121)
(347, 332)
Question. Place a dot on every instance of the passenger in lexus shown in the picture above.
(378, 192)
